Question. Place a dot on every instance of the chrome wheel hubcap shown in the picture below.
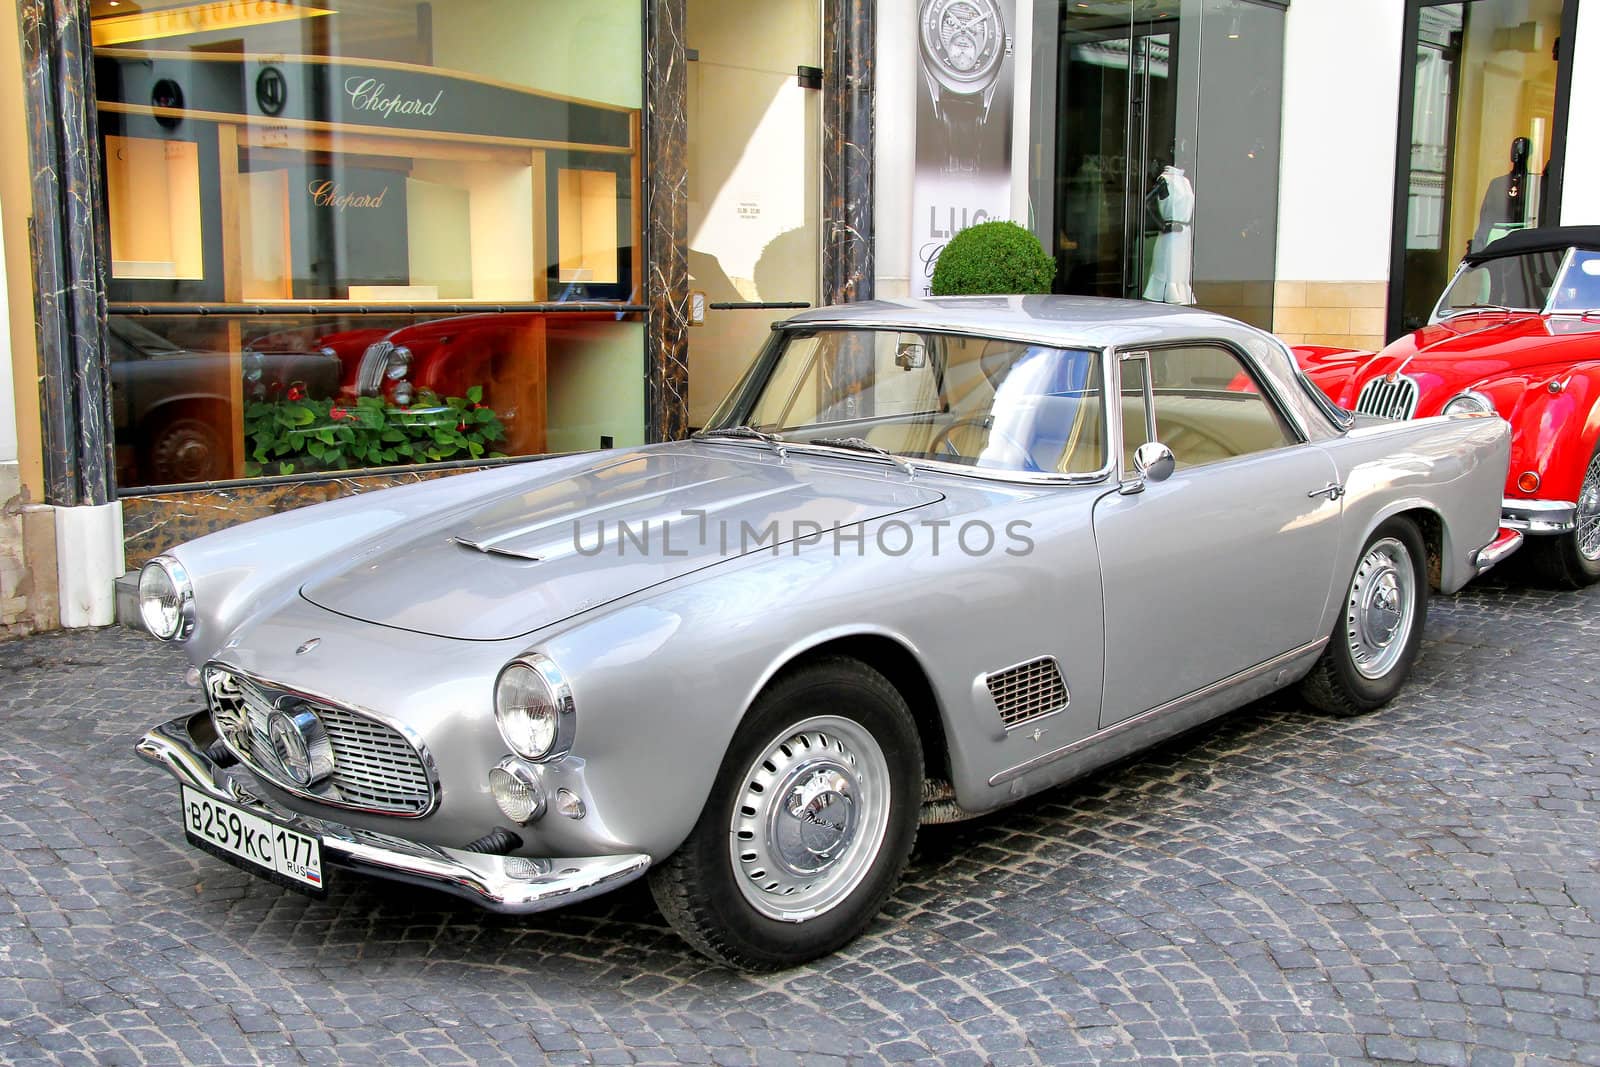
(1379, 612)
(1589, 512)
(811, 817)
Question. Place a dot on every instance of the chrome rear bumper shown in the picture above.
(1539, 517)
(1505, 542)
(513, 884)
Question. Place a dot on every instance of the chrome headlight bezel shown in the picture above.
(562, 721)
(399, 363)
(1471, 402)
(167, 569)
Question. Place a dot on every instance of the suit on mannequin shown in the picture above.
(1172, 274)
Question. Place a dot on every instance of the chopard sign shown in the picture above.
(327, 194)
(371, 95)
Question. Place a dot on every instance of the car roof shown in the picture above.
(1060, 321)
(1543, 239)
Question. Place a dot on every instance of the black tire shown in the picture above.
(1560, 561)
(186, 444)
(698, 888)
(1337, 684)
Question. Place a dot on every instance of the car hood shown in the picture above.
(1446, 358)
(502, 567)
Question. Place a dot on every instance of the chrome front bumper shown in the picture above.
(512, 884)
(1539, 517)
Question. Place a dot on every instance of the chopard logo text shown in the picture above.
(370, 94)
(328, 194)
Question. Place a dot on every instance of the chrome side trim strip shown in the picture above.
(511, 884)
(1174, 705)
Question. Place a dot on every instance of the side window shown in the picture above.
(1209, 408)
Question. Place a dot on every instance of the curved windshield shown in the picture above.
(1511, 283)
(972, 401)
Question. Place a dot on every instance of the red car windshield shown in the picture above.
(1552, 281)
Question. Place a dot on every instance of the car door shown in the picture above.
(1228, 562)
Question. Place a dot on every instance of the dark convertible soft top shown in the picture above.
(1543, 239)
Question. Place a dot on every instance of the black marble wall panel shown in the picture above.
(70, 250)
(666, 221)
(849, 45)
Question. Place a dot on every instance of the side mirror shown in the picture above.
(1154, 461)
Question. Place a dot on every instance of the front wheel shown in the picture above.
(1375, 641)
(808, 826)
(1572, 560)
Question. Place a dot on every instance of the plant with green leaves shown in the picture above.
(299, 434)
(993, 258)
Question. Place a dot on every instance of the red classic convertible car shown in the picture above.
(1516, 333)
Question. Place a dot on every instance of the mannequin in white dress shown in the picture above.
(1173, 272)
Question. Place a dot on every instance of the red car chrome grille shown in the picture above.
(1387, 399)
(374, 363)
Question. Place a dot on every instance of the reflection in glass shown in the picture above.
(396, 195)
(993, 404)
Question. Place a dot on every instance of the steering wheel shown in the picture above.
(942, 442)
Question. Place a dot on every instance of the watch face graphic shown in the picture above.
(963, 43)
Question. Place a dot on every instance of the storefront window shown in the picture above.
(1164, 129)
(371, 234)
(1482, 122)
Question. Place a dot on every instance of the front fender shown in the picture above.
(1330, 369)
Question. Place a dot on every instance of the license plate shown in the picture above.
(253, 842)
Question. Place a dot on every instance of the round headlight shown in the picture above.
(533, 706)
(1470, 402)
(166, 599)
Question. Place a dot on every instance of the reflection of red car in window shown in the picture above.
(1517, 334)
(502, 353)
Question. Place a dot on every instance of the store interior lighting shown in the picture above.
(158, 22)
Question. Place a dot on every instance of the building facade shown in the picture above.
(266, 252)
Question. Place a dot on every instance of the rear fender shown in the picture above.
(1554, 433)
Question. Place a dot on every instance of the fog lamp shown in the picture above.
(166, 599)
(533, 707)
(301, 744)
(526, 869)
(402, 394)
(1528, 481)
(516, 789)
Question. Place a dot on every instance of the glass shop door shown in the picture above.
(1118, 109)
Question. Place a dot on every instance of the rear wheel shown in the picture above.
(808, 826)
(1573, 560)
(1375, 641)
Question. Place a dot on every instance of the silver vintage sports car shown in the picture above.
(929, 557)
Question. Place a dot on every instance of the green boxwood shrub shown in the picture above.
(993, 257)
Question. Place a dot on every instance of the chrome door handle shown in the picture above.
(1333, 491)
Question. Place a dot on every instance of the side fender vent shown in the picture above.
(1029, 690)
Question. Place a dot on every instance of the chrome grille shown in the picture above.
(1028, 690)
(374, 364)
(375, 766)
(1389, 399)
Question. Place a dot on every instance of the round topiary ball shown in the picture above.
(993, 257)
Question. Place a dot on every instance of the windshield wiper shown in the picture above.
(1471, 309)
(749, 433)
(861, 444)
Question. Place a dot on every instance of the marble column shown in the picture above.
(69, 249)
(849, 45)
(666, 221)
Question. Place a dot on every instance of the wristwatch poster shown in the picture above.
(964, 45)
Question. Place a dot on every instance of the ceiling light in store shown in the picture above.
(196, 18)
(1233, 29)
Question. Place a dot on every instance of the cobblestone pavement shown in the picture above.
(1423, 884)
